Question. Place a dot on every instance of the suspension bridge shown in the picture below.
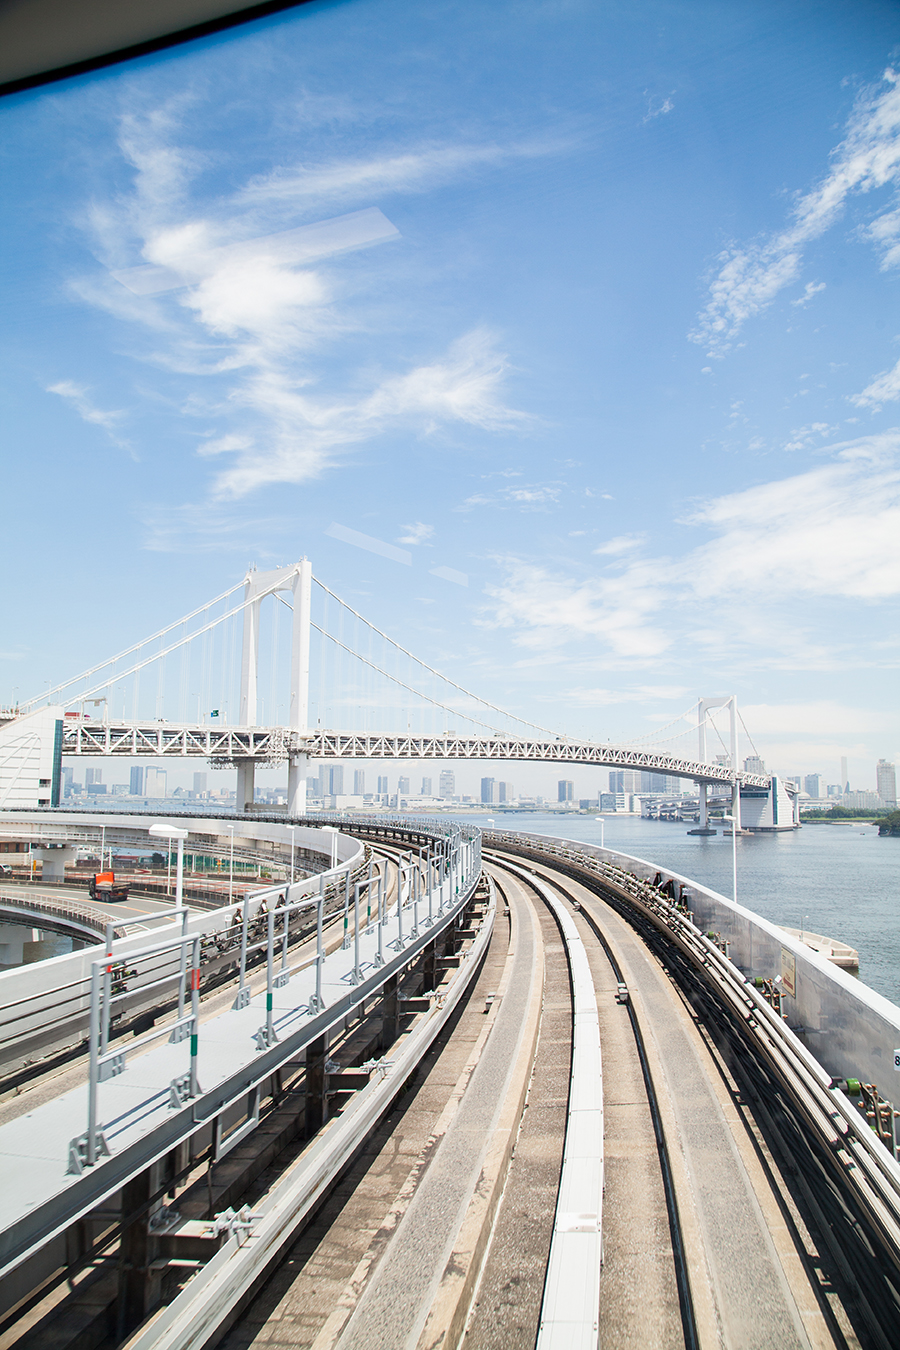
(273, 671)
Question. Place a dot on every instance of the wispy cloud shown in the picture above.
(416, 534)
(76, 395)
(749, 276)
(885, 388)
(832, 533)
(251, 315)
(406, 170)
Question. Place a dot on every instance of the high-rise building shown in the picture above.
(505, 791)
(753, 764)
(661, 782)
(359, 782)
(154, 782)
(382, 785)
(68, 782)
(313, 786)
(886, 782)
(845, 777)
(426, 787)
(136, 781)
(814, 785)
(335, 776)
(403, 786)
(487, 791)
(199, 784)
(624, 780)
(565, 791)
(92, 776)
(447, 783)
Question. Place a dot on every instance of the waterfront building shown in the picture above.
(886, 782)
(487, 791)
(136, 781)
(447, 783)
(753, 764)
(625, 780)
(565, 791)
(359, 782)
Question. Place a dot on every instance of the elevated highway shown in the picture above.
(590, 1051)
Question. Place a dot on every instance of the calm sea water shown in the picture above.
(839, 880)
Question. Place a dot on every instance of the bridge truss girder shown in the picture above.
(276, 745)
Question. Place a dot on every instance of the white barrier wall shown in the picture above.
(852, 1031)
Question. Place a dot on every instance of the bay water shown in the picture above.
(839, 880)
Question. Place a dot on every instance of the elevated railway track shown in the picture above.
(574, 1063)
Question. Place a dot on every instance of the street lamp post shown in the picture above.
(733, 857)
(171, 832)
(231, 866)
(292, 828)
(601, 821)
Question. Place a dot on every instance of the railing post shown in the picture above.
(182, 977)
(429, 886)
(94, 1047)
(195, 1014)
(369, 897)
(416, 878)
(356, 974)
(270, 963)
(107, 990)
(284, 940)
(320, 956)
(399, 905)
(379, 959)
(346, 943)
(242, 999)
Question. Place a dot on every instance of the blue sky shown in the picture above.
(617, 343)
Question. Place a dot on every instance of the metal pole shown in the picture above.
(346, 943)
(399, 905)
(102, 844)
(356, 933)
(429, 886)
(107, 982)
(416, 878)
(195, 1014)
(292, 829)
(231, 867)
(319, 954)
(245, 921)
(179, 876)
(182, 963)
(284, 940)
(94, 1047)
(270, 961)
(379, 959)
(369, 897)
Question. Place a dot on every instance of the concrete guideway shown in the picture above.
(140, 1113)
(748, 1284)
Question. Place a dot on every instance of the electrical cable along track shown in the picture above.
(842, 1185)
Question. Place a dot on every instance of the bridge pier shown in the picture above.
(316, 1079)
(139, 1284)
(298, 768)
(246, 778)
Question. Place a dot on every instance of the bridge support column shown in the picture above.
(246, 774)
(298, 768)
(316, 1100)
(736, 807)
(53, 862)
(390, 1013)
(139, 1286)
(704, 806)
(429, 974)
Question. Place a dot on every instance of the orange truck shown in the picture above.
(103, 886)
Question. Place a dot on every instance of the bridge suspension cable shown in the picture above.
(47, 695)
(482, 702)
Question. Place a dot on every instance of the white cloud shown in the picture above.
(404, 171)
(250, 314)
(624, 543)
(802, 437)
(885, 388)
(810, 289)
(416, 534)
(830, 533)
(751, 275)
(816, 718)
(110, 420)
